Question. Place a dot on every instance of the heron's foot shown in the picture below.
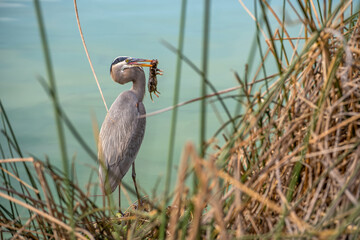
(143, 204)
(140, 203)
(120, 214)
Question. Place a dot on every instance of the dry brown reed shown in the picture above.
(292, 169)
(47, 215)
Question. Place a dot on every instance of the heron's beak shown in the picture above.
(140, 62)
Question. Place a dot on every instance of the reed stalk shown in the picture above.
(55, 101)
(173, 118)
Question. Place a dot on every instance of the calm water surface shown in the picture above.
(113, 28)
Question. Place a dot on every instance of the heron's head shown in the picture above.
(125, 69)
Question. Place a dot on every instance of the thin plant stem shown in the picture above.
(55, 101)
(173, 117)
(87, 55)
(205, 51)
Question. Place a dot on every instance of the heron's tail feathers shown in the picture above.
(110, 178)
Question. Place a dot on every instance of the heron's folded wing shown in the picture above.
(121, 135)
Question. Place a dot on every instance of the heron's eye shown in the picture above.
(119, 59)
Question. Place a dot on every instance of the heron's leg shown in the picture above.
(120, 197)
(103, 197)
(134, 179)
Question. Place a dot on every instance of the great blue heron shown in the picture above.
(122, 131)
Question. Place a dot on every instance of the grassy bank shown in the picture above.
(289, 167)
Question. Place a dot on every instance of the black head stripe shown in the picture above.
(117, 60)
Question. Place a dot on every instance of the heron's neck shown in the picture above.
(139, 88)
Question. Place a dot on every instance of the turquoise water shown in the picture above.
(113, 28)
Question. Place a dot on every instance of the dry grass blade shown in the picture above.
(19, 232)
(12, 160)
(20, 181)
(46, 190)
(178, 206)
(267, 202)
(42, 214)
(88, 56)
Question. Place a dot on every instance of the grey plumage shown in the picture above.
(122, 131)
(120, 136)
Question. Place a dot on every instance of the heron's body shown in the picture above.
(122, 131)
(120, 136)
